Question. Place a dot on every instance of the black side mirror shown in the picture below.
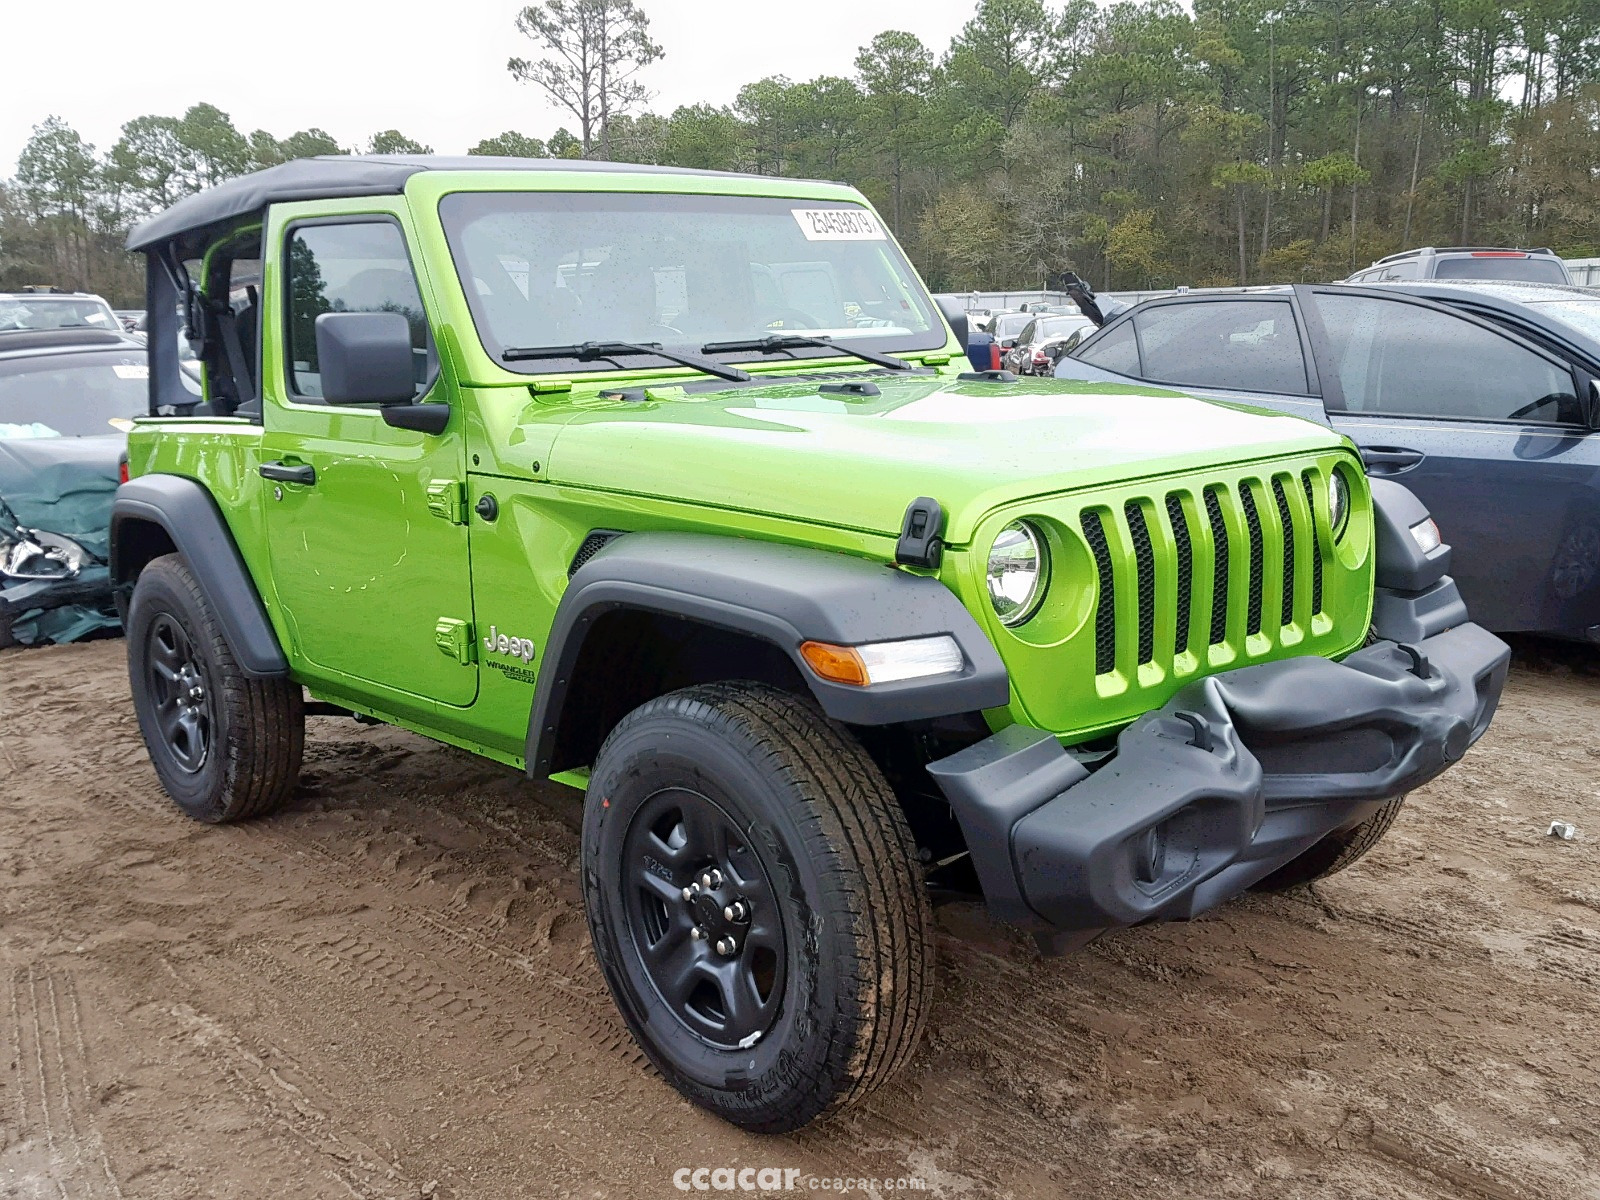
(365, 358)
(1009, 344)
(956, 315)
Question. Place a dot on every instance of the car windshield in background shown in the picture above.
(551, 269)
(72, 395)
(1009, 325)
(1059, 327)
(55, 312)
(1582, 315)
(1537, 268)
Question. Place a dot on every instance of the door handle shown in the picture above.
(1390, 460)
(288, 472)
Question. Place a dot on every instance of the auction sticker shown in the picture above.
(131, 370)
(839, 225)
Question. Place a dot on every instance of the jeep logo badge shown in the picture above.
(496, 642)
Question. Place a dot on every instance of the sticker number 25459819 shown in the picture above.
(839, 225)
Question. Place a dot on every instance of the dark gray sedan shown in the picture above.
(1480, 397)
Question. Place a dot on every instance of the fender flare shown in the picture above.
(783, 595)
(189, 515)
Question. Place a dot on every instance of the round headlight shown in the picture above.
(1338, 502)
(1016, 575)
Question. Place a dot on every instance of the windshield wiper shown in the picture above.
(798, 341)
(589, 351)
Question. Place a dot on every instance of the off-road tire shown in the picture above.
(255, 728)
(857, 930)
(1333, 853)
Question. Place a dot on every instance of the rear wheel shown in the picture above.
(755, 903)
(225, 746)
(1333, 853)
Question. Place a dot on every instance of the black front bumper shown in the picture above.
(1238, 774)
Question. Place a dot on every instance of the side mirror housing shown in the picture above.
(956, 315)
(365, 358)
(1008, 344)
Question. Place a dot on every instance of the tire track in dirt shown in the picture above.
(53, 1097)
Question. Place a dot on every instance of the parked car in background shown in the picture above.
(1004, 327)
(133, 319)
(1029, 355)
(1467, 262)
(67, 398)
(56, 310)
(1479, 397)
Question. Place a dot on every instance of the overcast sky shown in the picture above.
(435, 71)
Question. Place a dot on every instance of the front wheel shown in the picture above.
(1333, 853)
(755, 903)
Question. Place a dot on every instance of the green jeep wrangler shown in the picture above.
(672, 486)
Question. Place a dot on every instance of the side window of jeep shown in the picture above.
(360, 266)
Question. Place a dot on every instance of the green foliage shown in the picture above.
(392, 141)
(511, 145)
(1138, 142)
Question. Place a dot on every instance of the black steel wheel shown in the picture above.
(755, 903)
(180, 693)
(703, 918)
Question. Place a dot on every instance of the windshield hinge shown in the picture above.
(447, 500)
(550, 387)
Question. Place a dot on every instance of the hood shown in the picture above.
(857, 462)
(63, 485)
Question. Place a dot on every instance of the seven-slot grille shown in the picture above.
(1229, 558)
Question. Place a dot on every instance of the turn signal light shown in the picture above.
(884, 662)
(836, 664)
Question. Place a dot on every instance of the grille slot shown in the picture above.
(1105, 618)
(1144, 561)
(1286, 517)
(1252, 520)
(1185, 548)
(1219, 574)
(1316, 542)
(591, 546)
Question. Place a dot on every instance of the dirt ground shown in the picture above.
(388, 992)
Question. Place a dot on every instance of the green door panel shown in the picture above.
(370, 560)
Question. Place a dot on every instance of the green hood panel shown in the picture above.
(856, 462)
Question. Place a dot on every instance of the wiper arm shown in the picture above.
(589, 351)
(799, 341)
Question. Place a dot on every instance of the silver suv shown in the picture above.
(1467, 262)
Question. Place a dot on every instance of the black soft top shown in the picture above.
(195, 221)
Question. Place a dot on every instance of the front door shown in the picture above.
(365, 523)
(1489, 432)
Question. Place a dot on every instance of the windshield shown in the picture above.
(559, 269)
(1539, 268)
(1582, 315)
(1010, 324)
(1059, 327)
(72, 395)
(55, 312)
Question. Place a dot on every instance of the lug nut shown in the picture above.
(726, 946)
(711, 879)
(697, 933)
(737, 911)
(688, 892)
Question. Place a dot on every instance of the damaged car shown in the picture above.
(65, 403)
